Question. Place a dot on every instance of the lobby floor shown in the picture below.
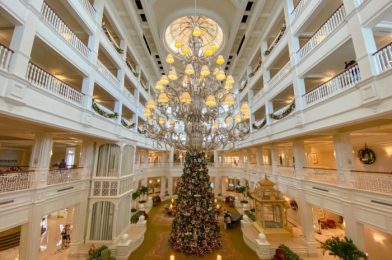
(156, 246)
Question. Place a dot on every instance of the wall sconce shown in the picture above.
(378, 238)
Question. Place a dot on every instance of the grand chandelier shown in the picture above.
(196, 109)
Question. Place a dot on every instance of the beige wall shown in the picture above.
(377, 244)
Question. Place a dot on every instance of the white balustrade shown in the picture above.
(5, 57)
(329, 176)
(107, 74)
(370, 181)
(384, 58)
(63, 30)
(57, 176)
(89, 8)
(129, 95)
(125, 185)
(13, 181)
(280, 75)
(44, 80)
(327, 28)
(298, 9)
(342, 81)
(285, 170)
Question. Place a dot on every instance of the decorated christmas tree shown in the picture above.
(195, 228)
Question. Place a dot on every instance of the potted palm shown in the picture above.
(344, 249)
(143, 190)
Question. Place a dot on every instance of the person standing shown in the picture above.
(62, 165)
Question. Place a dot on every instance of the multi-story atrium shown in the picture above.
(183, 129)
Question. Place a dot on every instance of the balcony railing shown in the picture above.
(384, 58)
(280, 75)
(13, 181)
(57, 176)
(111, 187)
(327, 28)
(89, 8)
(107, 74)
(276, 40)
(340, 82)
(44, 80)
(372, 181)
(298, 9)
(285, 170)
(5, 57)
(63, 30)
(324, 175)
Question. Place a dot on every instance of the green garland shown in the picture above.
(110, 37)
(281, 32)
(141, 131)
(244, 87)
(124, 124)
(103, 113)
(257, 127)
(284, 113)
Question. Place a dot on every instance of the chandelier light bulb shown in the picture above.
(196, 31)
(189, 70)
(172, 74)
(185, 98)
(214, 47)
(228, 121)
(205, 71)
(171, 123)
(229, 100)
(237, 118)
(220, 60)
(159, 86)
(161, 120)
(228, 86)
(208, 52)
(164, 80)
(230, 79)
(147, 112)
(169, 59)
(244, 108)
(178, 44)
(216, 124)
(163, 98)
(246, 115)
(186, 51)
(221, 75)
(151, 104)
(210, 101)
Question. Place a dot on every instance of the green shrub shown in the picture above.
(290, 255)
(244, 202)
(135, 217)
(97, 253)
(133, 210)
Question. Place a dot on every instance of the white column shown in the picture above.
(40, 157)
(118, 110)
(299, 157)
(163, 187)
(307, 226)
(171, 156)
(88, 91)
(275, 163)
(353, 228)
(22, 41)
(87, 158)
(259, 156)
(363, 41)
(31, 234)
(344, 158)
(269, 109)
(79, 225)
(216, 157)
(170, 186)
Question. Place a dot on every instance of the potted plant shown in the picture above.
(344, 249)
(285, 253)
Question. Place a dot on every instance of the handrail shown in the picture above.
(371, 171)
(5, 56)
(319, 168)
(383, 57)
(5, 47)
(382, 48)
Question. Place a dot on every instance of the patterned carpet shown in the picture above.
(156, 246)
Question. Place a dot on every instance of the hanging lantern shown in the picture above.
(169, 59)
(189, 70)
(220, 60)
(221, 75)
(172, 74)
(151, 104)
(196, 31)
(185, 98)
(205, 71)
(164, 80)
(210, 101)
(229, 100)
(163, 98)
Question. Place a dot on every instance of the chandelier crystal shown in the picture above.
(196, 109)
